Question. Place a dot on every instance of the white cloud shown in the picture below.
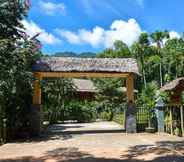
(70, 36)
(52, 8)
(45, 37)
(174, 34)
(127, 32)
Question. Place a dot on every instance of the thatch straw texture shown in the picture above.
(175, 84)
(71, 64)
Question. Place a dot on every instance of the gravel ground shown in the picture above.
(96, 147)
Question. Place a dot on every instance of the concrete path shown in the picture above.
(95, 127)
(100, 147)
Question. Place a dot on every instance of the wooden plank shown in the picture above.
(130, 88)
(82, 74)
(37, 90)
(182, 120)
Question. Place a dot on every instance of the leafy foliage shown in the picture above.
(148, 95)
(56, 96)
(120, 50)
(11, 14)
(110, 96)
(17, 53)
(81, 111)
(147, 99)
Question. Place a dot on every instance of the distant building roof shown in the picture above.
(84, 85)
(173, 85)
(71, 64)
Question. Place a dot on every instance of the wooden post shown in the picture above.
(171, 121)
(36, 113)
(130, 88)
(37, 90)
(182, 120)
(131, 126)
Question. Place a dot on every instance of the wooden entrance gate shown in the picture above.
(57, 67)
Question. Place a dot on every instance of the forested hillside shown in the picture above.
(73, 54)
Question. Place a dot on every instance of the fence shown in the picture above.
(142, 117)
(173, 119)
(174, 122)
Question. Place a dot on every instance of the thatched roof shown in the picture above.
(71, 64)
(173, 85)
(84, 85)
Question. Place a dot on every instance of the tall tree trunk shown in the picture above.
(161, 76)
(159, 44)
(177, 69)
(169, 68)
(143, 72)
(144, 78)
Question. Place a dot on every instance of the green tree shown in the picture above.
(147, 98)
(17, 54)
(152, 64)
(174, 58)
(158, 37)
(11, 14)
(110, 96)
(140, 51)
(120, 50)
(56, 96)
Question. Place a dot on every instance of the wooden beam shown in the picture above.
(37, 89)
(82, 74)
(182, 120)
(130, 88)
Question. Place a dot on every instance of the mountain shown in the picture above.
(73, 54)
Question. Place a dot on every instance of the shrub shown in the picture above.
(106, 116)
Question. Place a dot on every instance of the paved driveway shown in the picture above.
(77, 128)
(96, 147)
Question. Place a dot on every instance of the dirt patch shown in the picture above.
(100, 147)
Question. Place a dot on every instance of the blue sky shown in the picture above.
(93, 25)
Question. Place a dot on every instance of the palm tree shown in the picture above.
(158, 37)
(173, 50)
(139, 49)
